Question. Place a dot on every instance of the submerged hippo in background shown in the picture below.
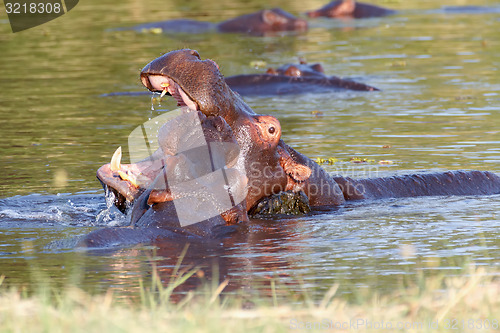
(287, 79)
(292, 79)
(258, 23)
(470, 9)
(350, 9)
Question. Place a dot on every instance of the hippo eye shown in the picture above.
(272, 129)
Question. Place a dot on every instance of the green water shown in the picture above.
(439, 109)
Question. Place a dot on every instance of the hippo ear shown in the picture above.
(318, 68)
(272, 71)
(298, 172)
(293, 71)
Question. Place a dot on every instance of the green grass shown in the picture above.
(435, 304)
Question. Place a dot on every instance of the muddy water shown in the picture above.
(438, 109)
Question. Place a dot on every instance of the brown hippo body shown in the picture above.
(263, 22)
(292, 79)
(350, 9)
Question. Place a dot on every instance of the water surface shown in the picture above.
(438, 109)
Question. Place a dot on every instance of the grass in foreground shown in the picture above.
(469, 303)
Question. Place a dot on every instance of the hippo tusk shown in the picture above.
(165, 86)
(163, 93)
(116, 160)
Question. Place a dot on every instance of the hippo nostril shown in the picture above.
(272, 129)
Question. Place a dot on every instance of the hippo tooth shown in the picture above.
(116, 160)
(165, 86)
(163, 93)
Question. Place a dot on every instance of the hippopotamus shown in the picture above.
(350, 9)
(200, 85)
(292, 79)
(270, 167)
(259, 23)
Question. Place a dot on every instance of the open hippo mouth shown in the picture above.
(195, 83)
(166, 85)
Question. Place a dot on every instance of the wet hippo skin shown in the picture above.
(292, 79)
(350, 9)
(204, 89)
(258, 23)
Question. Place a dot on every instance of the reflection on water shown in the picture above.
(363, 243)
(438, 109)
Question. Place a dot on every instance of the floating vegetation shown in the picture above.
(401, 63)
(464, 97)
(355, 160)
(258, 64)
(331, 160)
(360, 160)
(154, 31)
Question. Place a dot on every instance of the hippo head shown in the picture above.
(264, 21)
(338, 8)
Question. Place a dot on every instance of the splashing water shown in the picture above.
(110, 216)
(152, 102)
